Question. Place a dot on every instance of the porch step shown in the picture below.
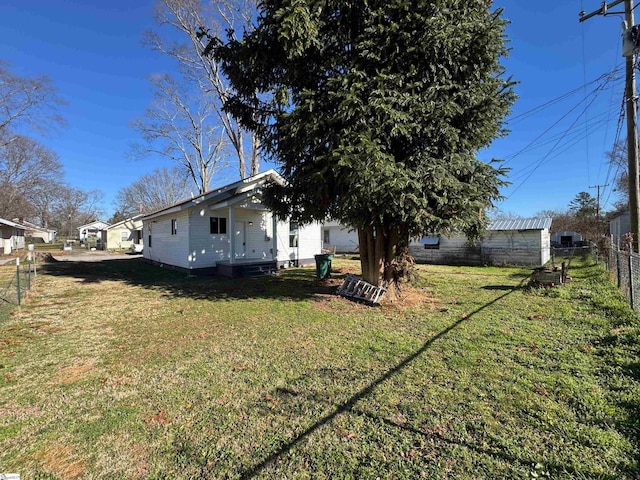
(356, 288)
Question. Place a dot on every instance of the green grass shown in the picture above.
(122, 370)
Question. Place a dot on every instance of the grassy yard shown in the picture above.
(122, 370)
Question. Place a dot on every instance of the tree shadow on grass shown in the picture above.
(354, 406)
(291, 284)
(348, 405)
(498, 288)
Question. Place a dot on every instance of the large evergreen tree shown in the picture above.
(375, 109)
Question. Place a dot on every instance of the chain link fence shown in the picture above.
(16, 279)
(625, 269)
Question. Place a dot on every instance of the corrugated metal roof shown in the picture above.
(521, 224)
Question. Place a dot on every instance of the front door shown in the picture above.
(239, 240)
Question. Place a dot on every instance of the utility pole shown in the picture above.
(632, 113)
(598, 204)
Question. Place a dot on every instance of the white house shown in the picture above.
(123, 234)
(46, 235)
(338, 238)
(228, 231)
(96, 230)
(11, 236)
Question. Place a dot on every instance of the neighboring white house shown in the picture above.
(619, 226)
(228, 231)
(93, 231)
(338, 238)
(47, 235)
(11, 236)
(123, 234)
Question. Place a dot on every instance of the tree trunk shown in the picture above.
(380, 247)
(241, 162)
(255, 159)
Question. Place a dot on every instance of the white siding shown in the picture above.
(205, 249)
(514, 247)
(545, 248)
(259, 245)
(309, 242)
(165, 247)
(343, 239)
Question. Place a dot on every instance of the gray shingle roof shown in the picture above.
(521, 224)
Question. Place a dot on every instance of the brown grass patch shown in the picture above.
(62, 461)
(411, 297)
(18, 412)
(46, 327)
(73, 374)
(159, 419)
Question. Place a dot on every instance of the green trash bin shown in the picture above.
(323, 266)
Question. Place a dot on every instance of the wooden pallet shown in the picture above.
(357, 289)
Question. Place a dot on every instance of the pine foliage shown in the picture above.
(375, 110)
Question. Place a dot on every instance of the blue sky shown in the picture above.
(93, 52)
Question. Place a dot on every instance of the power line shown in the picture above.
(606, 78)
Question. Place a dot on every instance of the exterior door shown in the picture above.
(239, 239)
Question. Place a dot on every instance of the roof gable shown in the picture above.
(9, 223)
(222, 196)
(135, 218)
(99, 224)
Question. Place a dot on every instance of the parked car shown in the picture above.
(136, 248)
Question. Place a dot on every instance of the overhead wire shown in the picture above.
(606, 130)
(603, 79)
(616, 143)
(513, 120)
(546, 158)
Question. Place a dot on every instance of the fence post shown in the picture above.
(29, 275)
(618, 268)
(18, 278)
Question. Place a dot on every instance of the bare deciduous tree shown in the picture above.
(27, 169)
(198, 23)
(618, 162)
(30, 101)
(75, 207)
(159, 189)
(178, 126)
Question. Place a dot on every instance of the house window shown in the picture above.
(325, 236)
(149, 241)
(218, 226)
(174, 226)
(431, 243)
(124, 236)
(293, 234)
